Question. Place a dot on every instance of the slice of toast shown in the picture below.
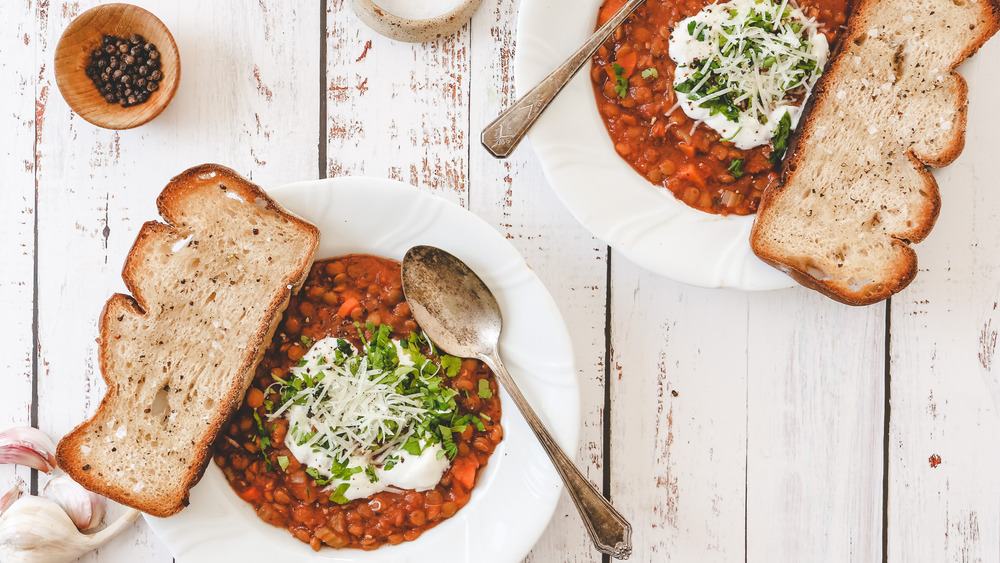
(208, 290)
(855, 190)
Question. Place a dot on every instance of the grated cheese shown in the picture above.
(744, 64)
(351, 424)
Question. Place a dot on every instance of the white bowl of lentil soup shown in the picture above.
(359, 217)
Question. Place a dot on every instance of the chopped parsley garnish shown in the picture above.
(621, 82)
(736, 168)
(746, 60)
(650, 72)
(484, 389)
(338, 494)
(451, 365)
(780, 139)
(359, 408)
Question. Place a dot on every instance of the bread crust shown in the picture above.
(168, 499)
(889, 278)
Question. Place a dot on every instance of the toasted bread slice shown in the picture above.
(855, 190)
(208, 290)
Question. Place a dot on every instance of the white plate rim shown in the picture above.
(642, 221)
(501, 522)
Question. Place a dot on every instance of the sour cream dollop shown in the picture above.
(365, 421)
(742, 66)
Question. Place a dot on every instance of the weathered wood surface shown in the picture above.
(19, 71)
(943, 435)
(728, 426)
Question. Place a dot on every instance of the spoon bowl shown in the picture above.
(436, 283)
(461, 316)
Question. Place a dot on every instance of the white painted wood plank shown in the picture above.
(248, 98)
(754, 452)
(815, 427)
(678, 415)
(397, 110)
(943, 481)
(17, 222)
(513, 196)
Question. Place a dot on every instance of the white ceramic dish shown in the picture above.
(517, 493)
(427, 27)
(642, 221)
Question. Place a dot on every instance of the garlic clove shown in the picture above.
(9, 497)
(36, 530)
(85, 508)
(25, 445)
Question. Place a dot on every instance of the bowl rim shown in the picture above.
(414, 30)
(67, 63)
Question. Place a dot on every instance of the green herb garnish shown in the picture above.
(415, 408)
(780, 138)
(736, 168)
(484, 389)
(750, 61)
(338, 495)
(621, 83)
(650, 72)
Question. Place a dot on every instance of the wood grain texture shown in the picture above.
(943, 456)
(678, 419)
(18, 69)
(97, 187)
(513, 196)
(742, 426)
(397, 110)
(815, 427)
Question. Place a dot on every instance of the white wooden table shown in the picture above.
(728, 426)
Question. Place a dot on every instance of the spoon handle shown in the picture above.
(609, 530)
(503, 135)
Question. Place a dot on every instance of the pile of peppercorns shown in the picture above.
(125, 71)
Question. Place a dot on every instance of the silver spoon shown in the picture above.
(502, 136)
(459, 313)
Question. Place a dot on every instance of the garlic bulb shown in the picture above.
(25, 445)
(9, 497)
(36, 530)
(85, 508)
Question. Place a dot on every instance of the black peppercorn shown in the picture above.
(125, 70)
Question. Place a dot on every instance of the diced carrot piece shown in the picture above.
(628, 62)
(251, 494)
(464, 470)
(686, 148)
(350, 304)
(691, 173)
(609, 9)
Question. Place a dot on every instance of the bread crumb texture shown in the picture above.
(855, 190)
(209, 288)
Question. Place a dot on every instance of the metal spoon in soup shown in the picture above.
(461, 316)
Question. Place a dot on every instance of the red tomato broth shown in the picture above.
(338, 293)
(688, 159)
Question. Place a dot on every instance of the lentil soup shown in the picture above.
(352, 298)
(632, 76)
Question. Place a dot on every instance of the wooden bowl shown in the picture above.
(85, 34)
(414, 30)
